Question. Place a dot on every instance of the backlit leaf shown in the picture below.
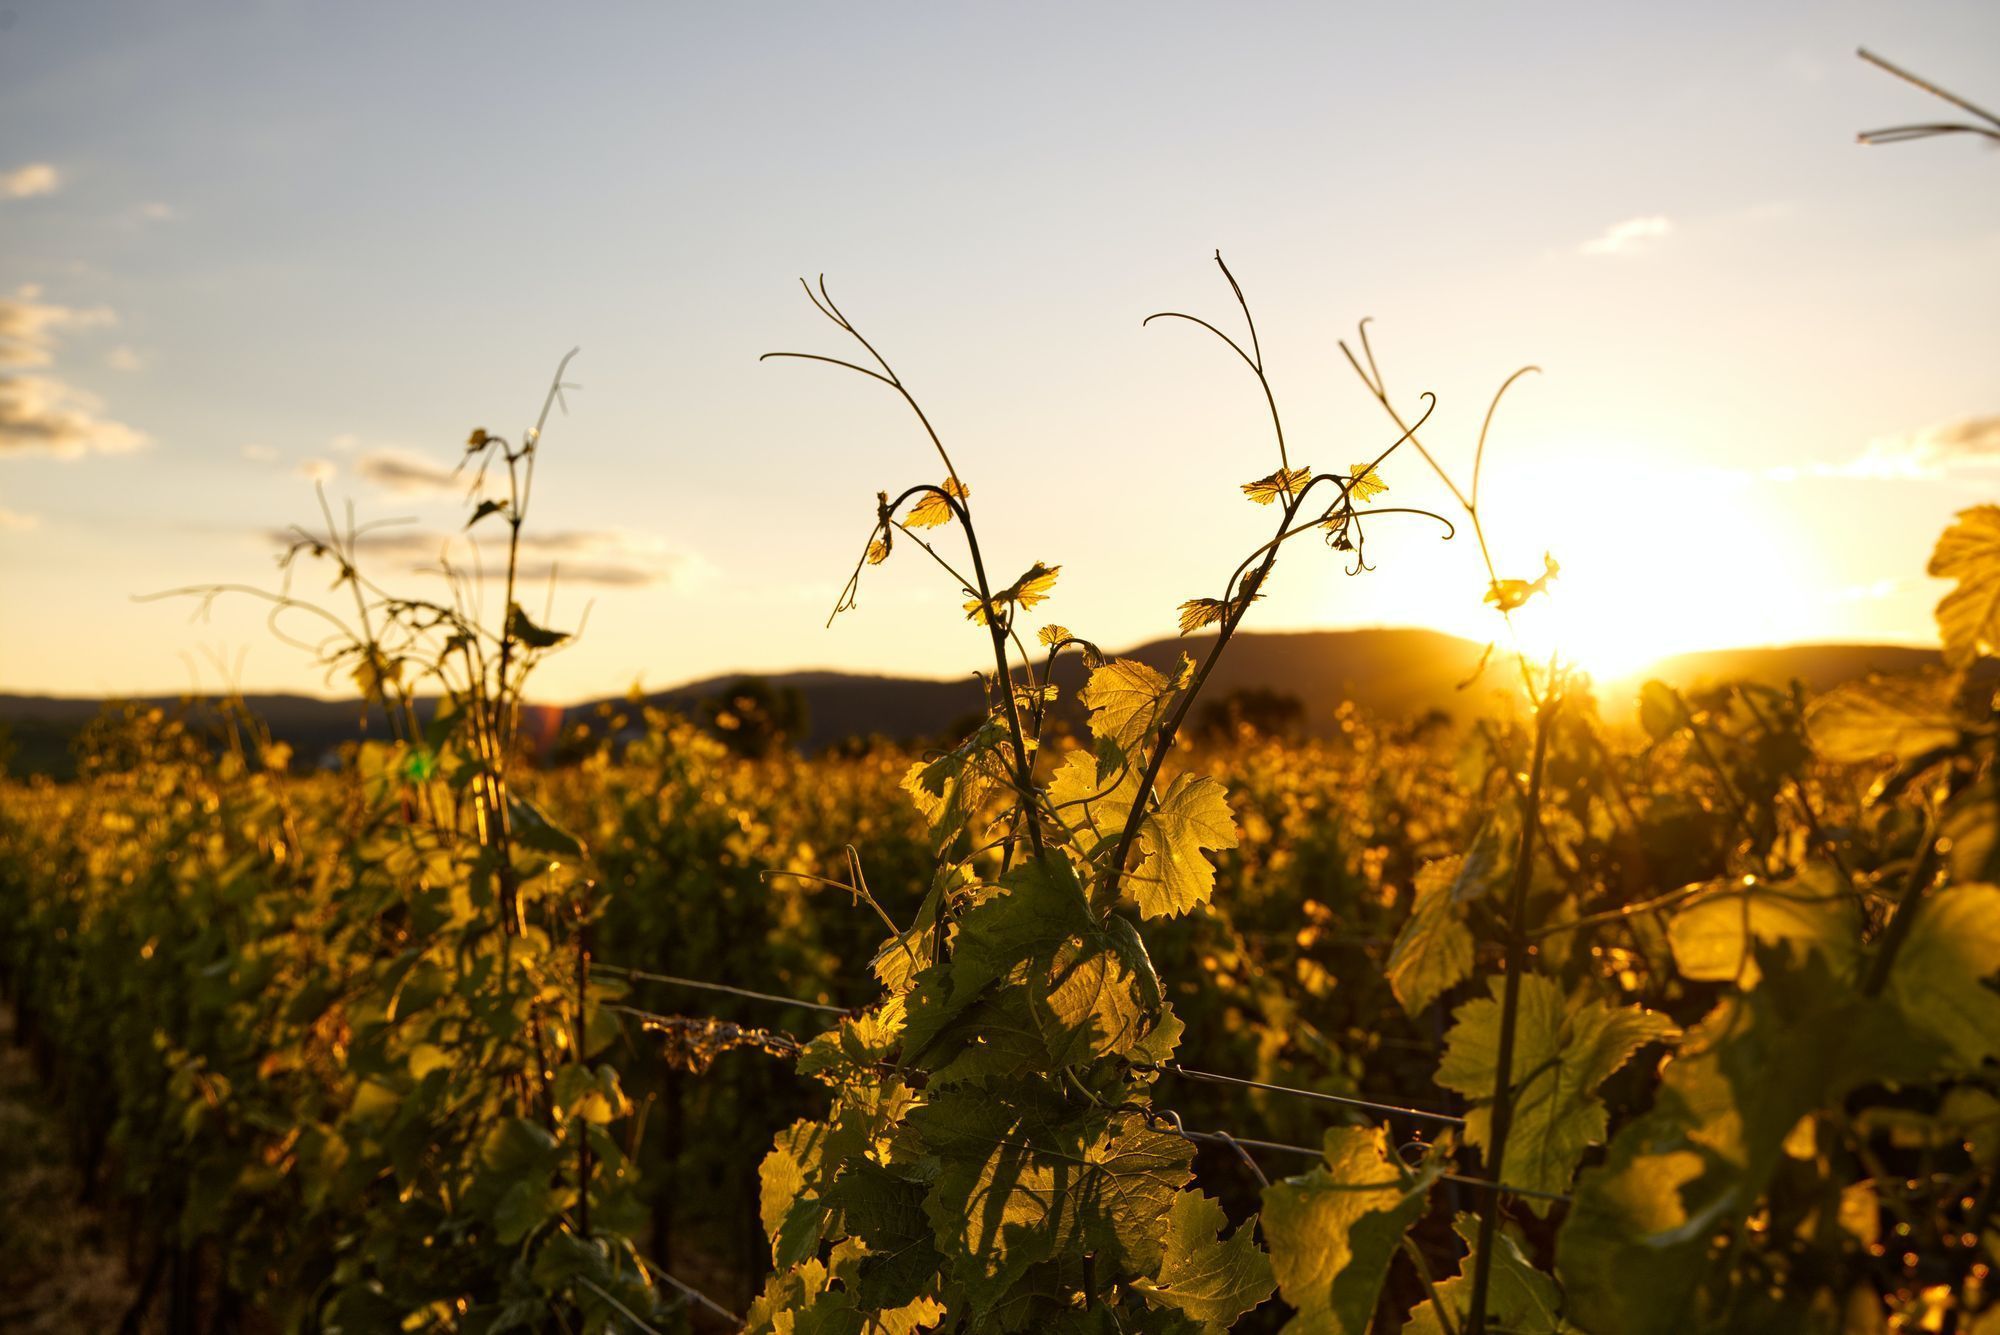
(1032, 588)
(1714, 940)
(1520, 1299)
(1940, 977)
(1433, 952)
(1969, 616)
(932, 509)
(1561, 1055)
(1284, 482)
(1897, 718)
(1366, 482)
(1173, 875)
(1333, 1230)
(1211, 1281)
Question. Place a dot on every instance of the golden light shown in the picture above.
(1656, 560)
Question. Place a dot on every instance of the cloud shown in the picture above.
(1969, 444)
(122, 358)
(317, 470)
(155, 211)
(40, 413)
(1632, 237)
(262, 454)
(403, 473)
(599, 558)
(29, 326)
(13, 521)
(37, 178)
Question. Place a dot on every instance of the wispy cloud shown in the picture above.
(36, 178)
(1632, 237)
(262, 454)
(318, 470)
(1970, 444)
(600, 558)
(123, 358)
(403, 473)
(41, 413)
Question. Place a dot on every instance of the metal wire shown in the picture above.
(732, 990)
(1420, 1114)
(690, 1291)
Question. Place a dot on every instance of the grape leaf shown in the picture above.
(1015, 1187)
(1332, 1231)
(1127, 700)
(1172, 875)
(1199, 612)
(1284, 482)
(1894, 717)
(523, 631)
(1509, 594)
(1634, 1251)
(1433, 952)
(1561, 1055)
(1033, 588)
(1520, 1299)
(1969, 616)
(1366, 482)
(1714, 940)
(1209, 1280)
(1939, 978)
(1091, 807)
(932, 509)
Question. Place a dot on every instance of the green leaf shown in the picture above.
(1520, 1299)
(788, 1203)
(886, 1211)
(1634, 1253)
(1939, 978)
(1016, 1187)
(1714, 939)
(1561, 1055)
(1897, 718)
(1172, 875)
(1333, 1230)
(1433, 952)
(1093, 1002)
(1211, 1281)
(1969, 616)
(1091, 806)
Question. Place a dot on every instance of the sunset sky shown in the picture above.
(249, 246)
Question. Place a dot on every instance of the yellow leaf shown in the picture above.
(1051, 636)
(1199, 612)
(1286, 481)
(934, 510)
(1969, 616)
(1367, 483)
(1033, 587)
(878, 551)
(1508, 594)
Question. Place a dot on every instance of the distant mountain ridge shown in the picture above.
(1392, 673)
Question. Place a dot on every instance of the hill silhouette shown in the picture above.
(1391, 673)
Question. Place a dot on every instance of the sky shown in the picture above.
(250, 248)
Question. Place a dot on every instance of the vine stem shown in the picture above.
(1510, 1006)
(1905, 916)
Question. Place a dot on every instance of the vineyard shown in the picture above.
(1572, 1021)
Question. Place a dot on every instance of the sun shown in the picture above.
(1655, 560)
